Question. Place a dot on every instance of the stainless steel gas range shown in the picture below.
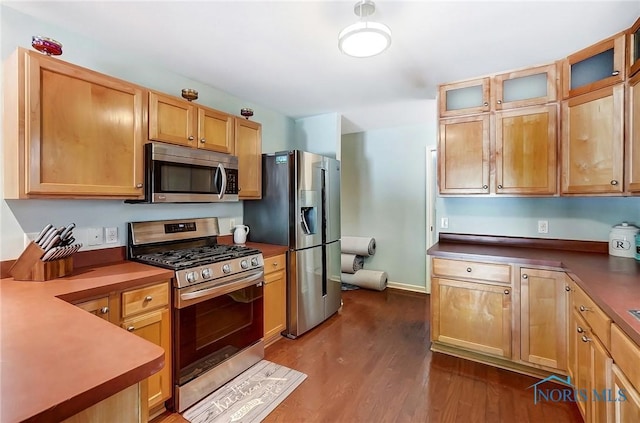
(217, 301)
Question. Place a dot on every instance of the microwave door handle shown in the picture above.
(223, 188)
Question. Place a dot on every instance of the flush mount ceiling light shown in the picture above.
(364, 38)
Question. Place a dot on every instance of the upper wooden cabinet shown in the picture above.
(592, 142)
(70, 132)
(633, 135)
(181, 122)
(527, 87)
(248, 148)
(633, 47)
(597, 66)
(464, 98)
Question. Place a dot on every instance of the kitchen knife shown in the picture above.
(52, 243)
(48, 237)
(58, 254)
(67, 231)
(49, 254)
(67, 241)
(42, 233)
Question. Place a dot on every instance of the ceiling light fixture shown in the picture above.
(364, 38)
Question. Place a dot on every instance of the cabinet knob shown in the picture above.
(580, 330)
(615, 73)
(506, 292)
(583, 308)
(131, 328)
(499, 101)
(148, 298)
(485, 186)
(239, 189)
(525, 276)
(500, 186)
(202, 140)
(585, 339)
(485, 104)
(567, 288)
(190, 138)
(614, 182)
(274, 264)
(138, 185)
(104, 310)
(469, 269)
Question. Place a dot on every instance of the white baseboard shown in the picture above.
(407, 287)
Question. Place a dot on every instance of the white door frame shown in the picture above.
(431, 189)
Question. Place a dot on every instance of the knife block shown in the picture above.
(29, 267)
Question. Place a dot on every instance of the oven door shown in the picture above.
(218, 330)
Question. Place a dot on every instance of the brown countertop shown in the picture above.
(56, 359)
(612, 282)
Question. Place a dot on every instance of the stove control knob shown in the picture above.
(206, 273)
(244, 264)
(226, 268)
(192, 277)
(254, 261)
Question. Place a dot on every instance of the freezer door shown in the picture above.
(333, 297)
(308, 200)
(305, 300)
(331, 171)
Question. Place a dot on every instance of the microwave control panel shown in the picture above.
(232, 182)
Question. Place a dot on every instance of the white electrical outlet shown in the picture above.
(543, 226)
(110, 235)
(444, 223)
(95, 236)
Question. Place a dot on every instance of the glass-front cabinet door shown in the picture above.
(595, 67)
(527, 87)
(633, 42)
(464, 98)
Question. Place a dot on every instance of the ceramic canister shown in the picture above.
(622, 240)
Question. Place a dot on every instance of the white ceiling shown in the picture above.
(284, 55)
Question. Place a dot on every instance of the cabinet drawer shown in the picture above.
(273, 264)
(144, 299)
(599, 322)
(626, 355)
(472, 269)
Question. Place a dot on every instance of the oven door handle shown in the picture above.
(215, 291)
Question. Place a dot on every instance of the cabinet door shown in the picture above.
(601, 383)
(592, 142)
(594, 67)
(98, 307)
(215, 131)
(249, 151)
(525, 157)
(633, 135)
(527, 87)
(83, 132)
(463, 155)
(474, 316)
(464, 98)
(171, 120)
(274, 305)
(633, 46)
(627, 409)
(155, 327)
(543, 317)
(582, 374)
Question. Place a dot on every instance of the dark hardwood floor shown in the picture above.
(371, 363)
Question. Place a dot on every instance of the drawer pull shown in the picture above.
(469, 269)
(583, 308)
(104, 310)
(131, 328)
(148, 298)
(506, 292)
(615, 73)
(567, 288)
(525, 276)
(585, 339)
(275, 264)
(580, 330)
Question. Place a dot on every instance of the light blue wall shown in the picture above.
(383, 196)
(319, 134)
(23, 216)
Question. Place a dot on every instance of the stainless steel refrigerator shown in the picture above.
(300, 208)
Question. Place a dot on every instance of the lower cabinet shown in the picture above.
(629, 409)
(275, 298)
(98, 307)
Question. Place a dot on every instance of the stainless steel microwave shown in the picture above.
(175, 174)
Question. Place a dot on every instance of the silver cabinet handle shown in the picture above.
(585, 339)
(614, 182)
(499, 101)
(580, 330)
(567, 288)
(469, 269)
(500, 186)
(506, 292)
(202, 140)
(583, 308)
(148, 298)
(131, 328)
(138, 185)
(485, 186)
(485, 104)
(104, 310)
(525, 276)
(190, 138)
(615, 73)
